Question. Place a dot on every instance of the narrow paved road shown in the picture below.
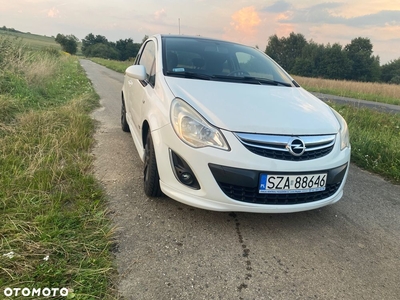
(167, 250)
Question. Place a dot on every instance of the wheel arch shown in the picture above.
(145, 132)
(122, 97)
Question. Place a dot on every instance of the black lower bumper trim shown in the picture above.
(242, 185)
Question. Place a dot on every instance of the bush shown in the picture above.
(102, 51)
(395, 79)
(69, 43)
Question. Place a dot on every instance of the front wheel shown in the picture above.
(150, 171)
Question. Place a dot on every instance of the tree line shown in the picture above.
(4, 28)
(99, 46)
(355, 61)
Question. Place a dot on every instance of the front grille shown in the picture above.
(251, 195)
(276, 146)
(284, 155)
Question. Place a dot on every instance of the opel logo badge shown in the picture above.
(296, 147)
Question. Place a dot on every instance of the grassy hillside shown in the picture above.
(34, 41)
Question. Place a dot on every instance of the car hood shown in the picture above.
(242, 107)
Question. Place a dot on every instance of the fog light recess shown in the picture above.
(183, 172)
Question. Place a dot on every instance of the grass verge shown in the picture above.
(118, 66)
(375, 140)
(54, 228)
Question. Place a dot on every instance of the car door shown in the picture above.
(137, 89)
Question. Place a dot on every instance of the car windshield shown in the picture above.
(206, 59)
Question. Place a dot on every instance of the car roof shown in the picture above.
(166, 36)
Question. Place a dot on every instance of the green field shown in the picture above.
(34, 41)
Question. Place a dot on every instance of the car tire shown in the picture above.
(124, 123)
(150, 171)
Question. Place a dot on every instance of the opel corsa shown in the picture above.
(221, 126)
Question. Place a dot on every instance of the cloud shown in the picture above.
(278, 7)
(160, 14)
(245, 20)
(326, 13)
(53, 13)
(320, 13)
(382, 18)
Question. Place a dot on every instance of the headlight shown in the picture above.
(344, 131)
(193, 129)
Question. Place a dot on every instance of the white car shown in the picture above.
(221, 126)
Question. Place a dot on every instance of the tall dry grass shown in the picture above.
(36, 67)
(41, 67)
(373, 91)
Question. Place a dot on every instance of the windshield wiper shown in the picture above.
(226, 78)
(249, 79)
(186, 74)
(245, 79)
(270, 81)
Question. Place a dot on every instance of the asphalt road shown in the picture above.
(167, 250)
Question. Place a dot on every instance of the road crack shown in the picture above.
(246, 253)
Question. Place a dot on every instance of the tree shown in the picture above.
(335, 63)
(365, 66)
(99, 46)
(310, 62)
(355, 61)
(275, 49)
(127, 49)
(103, 51)
(294, 45)
(285, 51)
(69, 43)
(145, 38)
(304, 66)
(90, 40)
(391, 71)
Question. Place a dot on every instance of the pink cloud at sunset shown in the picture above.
(53, 12)
(246, 20)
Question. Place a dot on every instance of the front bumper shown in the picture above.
(242, 185)
(229, 179)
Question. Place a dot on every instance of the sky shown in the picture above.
(250, 22)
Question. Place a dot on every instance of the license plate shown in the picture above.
(285, 184)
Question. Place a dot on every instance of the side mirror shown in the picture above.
(137, 72)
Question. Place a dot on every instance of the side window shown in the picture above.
(148, 60)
